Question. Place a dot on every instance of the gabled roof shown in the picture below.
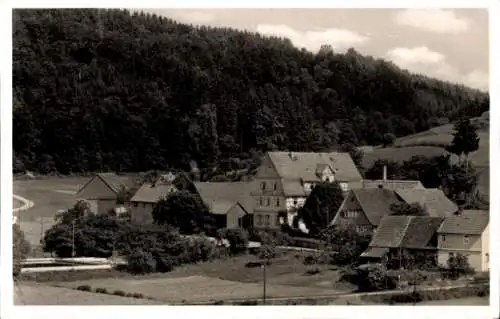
(220, 197)
(392, 184)
(433, 200)
(303, 165)
(390, 231)
(148, 193)
(376, 202)
(113, 181)
(406, 232)
(472, 222)
(420, 232)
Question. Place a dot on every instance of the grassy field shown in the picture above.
(471, 301)
(226, 279)
(36, 294)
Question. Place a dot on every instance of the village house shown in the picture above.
(364, 208)
(229, 202)
(467, 234)
(102, 190)
(146, 197)
(397, 236)
(285, 179)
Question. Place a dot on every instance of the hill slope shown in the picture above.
(432, 143)
(104, 89)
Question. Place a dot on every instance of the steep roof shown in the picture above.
(406, 231)
(433, 200)
(420, 232)
(220, 197)
(303, 165)
(390, 231)
(468, 223)
(392, 184)
(148, 193)
(376, 202)
(113, 181)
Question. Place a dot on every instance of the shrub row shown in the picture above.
(441, 294)
(116, 292)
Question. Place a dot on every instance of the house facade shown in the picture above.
(101, 192)
(230, 202)
(467, 234)
(364, 208)
(285, 179)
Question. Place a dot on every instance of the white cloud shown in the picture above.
(432, 20)
(339, 39)
(425, 61)
(416, 55)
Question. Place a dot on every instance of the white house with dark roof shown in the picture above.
(285, 179)
(468, 234)
(101, 191)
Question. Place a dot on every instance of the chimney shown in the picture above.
(384, 177)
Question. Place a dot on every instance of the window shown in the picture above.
(327, 179)
(351, 214)
(263, 186)
(344, 187)
(487, 257)
(259, 220)
(275, 186)
(277, 202)
(268, 219)
(443, 238)
(278, 220)
(261, 201)
(466, 239)
(268, 201)
(135, 204)
(295, 201)
(362, 228)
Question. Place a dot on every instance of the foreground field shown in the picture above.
(472, 301)
(226, 279)
(36, 294)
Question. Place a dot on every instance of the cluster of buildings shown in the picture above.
(281, 186)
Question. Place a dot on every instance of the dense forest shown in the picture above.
(113, 90)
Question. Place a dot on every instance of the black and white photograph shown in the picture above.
(261, 157)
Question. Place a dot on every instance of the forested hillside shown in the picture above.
(106, 89)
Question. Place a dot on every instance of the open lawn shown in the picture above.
(471, 301)
(226, 279)
(37, 294)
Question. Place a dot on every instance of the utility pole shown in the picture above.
(73, 239)
(265, 279)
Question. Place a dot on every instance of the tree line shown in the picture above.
(97, 90)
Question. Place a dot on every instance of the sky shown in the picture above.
(447, 44)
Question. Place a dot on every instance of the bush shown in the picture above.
(141, 262)
(238, 240)
(458, 265)
(375, 278)
(101, 290)
(138, 295)
(314, 271)
(119, 293)
(84, 288)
